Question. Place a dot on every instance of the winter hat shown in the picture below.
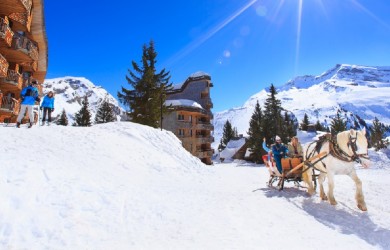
(277, 138)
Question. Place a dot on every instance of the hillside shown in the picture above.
(70, 91)
(360, 92)
(128, 186)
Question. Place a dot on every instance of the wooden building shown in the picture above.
(190, 119)
(23, 52)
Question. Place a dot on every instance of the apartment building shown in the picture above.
(190, 116)
(23, 52)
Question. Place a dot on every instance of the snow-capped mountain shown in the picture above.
(360, 92)
(70, 91)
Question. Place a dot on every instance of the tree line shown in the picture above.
(272, 119)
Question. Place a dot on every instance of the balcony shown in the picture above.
(11, 6)
(3, 66)
(9, 104)
(6, 34)
(200, 139)
(21, 21)
(209, 104)
(204, 153)
(26, 46)
(14, 78)
(204, 126)
(30, 66)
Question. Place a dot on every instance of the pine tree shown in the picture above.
(273, 120)
(63, 120)
(105, 113)
(146, 100)
(83, 117)
(319, 126)
(228, 134)
(338, 124)
(377, 135)
(256, 134)
(305, 122)
(289, 129)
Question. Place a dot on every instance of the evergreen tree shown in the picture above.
(273, 120)
(338, 124)
(83, 117)
(146, 99)
(63, 120)
(289, 129)
(228, 134)
(305, 122)
(377, 135)
(319, 126)
(105, 113)
(256, 134)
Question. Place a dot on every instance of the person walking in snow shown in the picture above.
(279, 151)
(29, 96)
(47, 106)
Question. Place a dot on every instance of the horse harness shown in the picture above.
(335, 150)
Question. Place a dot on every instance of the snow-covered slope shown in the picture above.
(362, 93)
(70, 91)
(127, 186)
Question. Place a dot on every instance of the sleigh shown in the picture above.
(293, 169)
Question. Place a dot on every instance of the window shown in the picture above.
(181, 132)
(180, 117)
(190, 118)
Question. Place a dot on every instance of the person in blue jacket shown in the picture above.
(47, 106)
(29, 96)
(279, 151)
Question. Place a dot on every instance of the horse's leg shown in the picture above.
(308, 179)
(321, 179)
(332, 200)
(359, 192)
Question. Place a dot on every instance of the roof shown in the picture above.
(232, 147)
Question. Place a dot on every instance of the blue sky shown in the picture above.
(244, 45)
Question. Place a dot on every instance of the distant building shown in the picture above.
(190, 116)
(236, 148)
(23, 52)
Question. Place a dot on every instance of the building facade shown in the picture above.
(190, 116)
(23, 52)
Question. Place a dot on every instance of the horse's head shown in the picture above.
(355, 144)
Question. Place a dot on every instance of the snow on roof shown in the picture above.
(231, 148)
(199, 74)
(183, 102)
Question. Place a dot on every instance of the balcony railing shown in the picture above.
(30, 66)
(205, 153)
(27, 4)
(9, 104)
(204, 126)
(6, 34)
(205, 139)
(3, 66)
(24, 19)
(14, 78)
(25, 45)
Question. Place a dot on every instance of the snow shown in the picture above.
(128, 186)
(184, 103)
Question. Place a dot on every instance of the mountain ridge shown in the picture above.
(359, 92)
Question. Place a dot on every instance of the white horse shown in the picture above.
(342, 153)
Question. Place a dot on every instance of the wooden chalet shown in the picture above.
(23, 52)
